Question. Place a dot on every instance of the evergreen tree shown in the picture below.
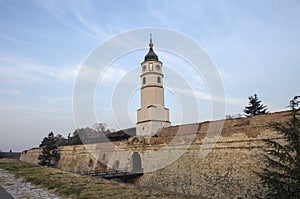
(255, 107)
(282, 170)
(50, 155)
(74, 139)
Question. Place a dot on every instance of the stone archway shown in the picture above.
(136, 163)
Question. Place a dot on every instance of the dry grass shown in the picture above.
(59, 182)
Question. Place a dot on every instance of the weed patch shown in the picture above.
(71, 185)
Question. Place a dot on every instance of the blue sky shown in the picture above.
(255, 46)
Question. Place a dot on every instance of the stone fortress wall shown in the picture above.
(226, 172)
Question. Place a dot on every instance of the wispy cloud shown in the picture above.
(87, 22)
(203, 95)
(77, 10)
(10, 107)
(161, 17)
(8, 38)
(13, 107)
(59, 100)
(11, 92)
(20, 69)
(91, 75)
(14, 40)
(112, 74)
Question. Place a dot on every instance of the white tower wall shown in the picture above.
(152, 115)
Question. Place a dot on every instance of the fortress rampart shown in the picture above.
(226, 172)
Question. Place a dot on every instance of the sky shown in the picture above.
(254, 45)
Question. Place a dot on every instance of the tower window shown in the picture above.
(157, 67)
(144, 80)
(158, 79)
(151, 67)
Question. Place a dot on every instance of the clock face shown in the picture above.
(157, 67)
(144, 67)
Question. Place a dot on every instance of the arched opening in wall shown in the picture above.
(116, 165)
(136, 163)
(158, 80)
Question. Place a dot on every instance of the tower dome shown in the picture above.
(151, 56)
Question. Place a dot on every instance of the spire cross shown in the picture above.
(151, 44)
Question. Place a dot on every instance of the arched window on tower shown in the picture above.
(158, 79)
(144, 80)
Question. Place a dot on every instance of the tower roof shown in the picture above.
(151, 56)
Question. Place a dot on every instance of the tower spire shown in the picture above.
(151, 56)
(151, 44)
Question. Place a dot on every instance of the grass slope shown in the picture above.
(84, 186)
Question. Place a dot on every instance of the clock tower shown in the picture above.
(152, 115)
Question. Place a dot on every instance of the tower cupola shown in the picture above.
(151, 56)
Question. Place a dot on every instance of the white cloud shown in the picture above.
(113, 74)
(11, 92)
(203, 95)
(13, 107)
(24, 69)
(78, 10)
(19, 108)
(230, 77)
(12, 39)
(59, 100)
(92, 75)
(87, 22)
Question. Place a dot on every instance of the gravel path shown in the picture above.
(20, 189)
